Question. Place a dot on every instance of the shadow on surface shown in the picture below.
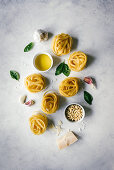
(50, 123)
(50, 35)
(88, 111)
(81, 85)
(94, 82)
(56, 61)
(75, 43)
(78, 136)
(47, 82)
(62, 102)
(90, 60)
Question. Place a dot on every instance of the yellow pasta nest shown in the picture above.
(69, 87)
(77, 61)
(35, 83)
(50, 103)
(61, 44)
(38, 123)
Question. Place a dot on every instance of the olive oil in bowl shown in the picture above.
(43, 62)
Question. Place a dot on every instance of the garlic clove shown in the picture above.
(22, 99)
(89, 80)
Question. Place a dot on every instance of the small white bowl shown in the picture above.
(83, 111)
(46, 54)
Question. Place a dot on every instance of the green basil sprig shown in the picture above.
(62, 68)
(15, 75)
(88, 97)
(29, 47)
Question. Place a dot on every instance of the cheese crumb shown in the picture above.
(57, 128)
(60, 122)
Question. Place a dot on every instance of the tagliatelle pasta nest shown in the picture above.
(77, 61)
(35, 83)
(61, 44)
(50, 103)
(69, 87)
(38, 123)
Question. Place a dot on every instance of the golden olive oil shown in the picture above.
(43, 62)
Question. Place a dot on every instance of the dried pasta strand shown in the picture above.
(35, 83)
(38, 123)
(50, 103)
(61, 44)
(69, 87)
(77, 61)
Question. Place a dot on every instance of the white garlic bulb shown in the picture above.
(40, 35)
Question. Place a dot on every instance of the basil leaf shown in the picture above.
(88, 97)
(66, 70)
(59, 69)
(15, 75)
(29, 47)
(62, 68)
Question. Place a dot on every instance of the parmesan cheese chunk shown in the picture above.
(66, 140)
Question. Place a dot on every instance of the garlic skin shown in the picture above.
(30, 102)
(93, 86)
(88, 80)
(40, 35)
(22, 99)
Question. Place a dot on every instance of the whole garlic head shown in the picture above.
(40, 35)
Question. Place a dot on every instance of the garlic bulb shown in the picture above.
(40, 35)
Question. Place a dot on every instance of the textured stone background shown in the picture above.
(91, 24)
